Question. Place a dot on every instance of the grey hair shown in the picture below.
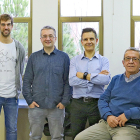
(132, 49)
(48, 27)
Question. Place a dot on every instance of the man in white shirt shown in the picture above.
(12, 57)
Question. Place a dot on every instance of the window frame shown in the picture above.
(80, 19)
(133, 20)
(29, 21)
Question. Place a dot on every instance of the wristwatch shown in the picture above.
(85, 75)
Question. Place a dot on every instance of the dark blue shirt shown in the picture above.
(46, 79)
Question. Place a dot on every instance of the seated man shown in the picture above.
(119, 106)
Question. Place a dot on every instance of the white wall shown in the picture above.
(116, 32)
(45, 12)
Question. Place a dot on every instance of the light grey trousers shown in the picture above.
(37, 119)
(102, 131)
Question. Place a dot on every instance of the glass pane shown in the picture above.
(16, 8)
(137, 35)
(20, 33)
(72, 37)
(80, 8)
(136, 7)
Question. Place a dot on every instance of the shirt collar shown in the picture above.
(132, 77)
(96, 55)
(53, 52)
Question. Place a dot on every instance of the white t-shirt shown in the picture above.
(7, 70)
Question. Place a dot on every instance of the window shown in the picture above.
(74, 15)
(78, 8)
(20, 10)
(135, 23)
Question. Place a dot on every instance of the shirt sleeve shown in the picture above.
(101, 79)
(27, 82)
(103, 103)
(67, 89)
(73, 79)
(132, 113)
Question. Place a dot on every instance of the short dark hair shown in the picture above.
(85, 30)
(6, 17)
(48, 27)
(132, 49)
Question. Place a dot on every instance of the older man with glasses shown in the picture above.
(119, 106)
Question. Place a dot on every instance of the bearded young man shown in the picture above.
(12, 56)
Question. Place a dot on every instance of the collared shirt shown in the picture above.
(132, 77)
(95, 87)
(46, 79)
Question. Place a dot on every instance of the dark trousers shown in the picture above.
(80, 112)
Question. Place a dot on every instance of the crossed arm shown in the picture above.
(80, 74)
(98, 78)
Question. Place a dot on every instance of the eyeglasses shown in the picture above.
(3, 24)
(50, 37)
(86, 39)
(134, 59)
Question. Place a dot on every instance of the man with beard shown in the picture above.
(12, 57)
(89, 73)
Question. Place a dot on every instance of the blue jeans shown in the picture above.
(10, 106)
(37, 117)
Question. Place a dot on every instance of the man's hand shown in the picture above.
(122, 120)
(112, 121)
(60, 106)
(105, 72)
(80, 75)
(33, 105)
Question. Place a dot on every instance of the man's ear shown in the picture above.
(82, 42)
(123, 62)
(96, 40)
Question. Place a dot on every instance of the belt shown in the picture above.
(88, 99)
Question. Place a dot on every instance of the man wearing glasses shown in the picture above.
(119, 105)
(12, 56)
(89, 73)
(46, 88)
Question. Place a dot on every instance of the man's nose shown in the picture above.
(47, 38)
(88, 40)
(6, 26)
(131, 60)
